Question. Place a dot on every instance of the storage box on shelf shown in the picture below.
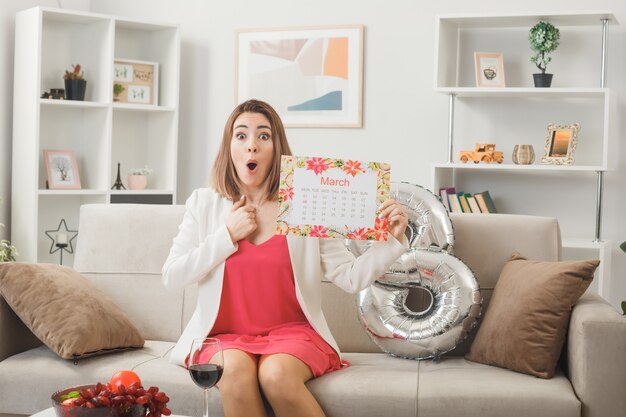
(100, 132)
(519, 114)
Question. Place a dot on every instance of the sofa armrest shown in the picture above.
(15, 337)
(596, 357)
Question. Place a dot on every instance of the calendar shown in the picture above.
(332, 198)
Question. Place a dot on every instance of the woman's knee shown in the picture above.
(240, 373)
(282, 375)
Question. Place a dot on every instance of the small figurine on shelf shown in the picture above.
(75, 84)
(54, 93)
(138, 178)
(118, 181)
(483, 152)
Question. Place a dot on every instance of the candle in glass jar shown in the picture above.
(61, 238)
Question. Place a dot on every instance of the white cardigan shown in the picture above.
(203, 243)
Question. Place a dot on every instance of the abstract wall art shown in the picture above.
(313, 77)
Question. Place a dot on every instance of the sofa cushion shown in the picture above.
(457, 387)
(21, 394)
(375, 385)
(65, 310)
(525, 325)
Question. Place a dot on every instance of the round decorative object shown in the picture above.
(137, 182)
(523, 154)
(452, 306)
(404, 325)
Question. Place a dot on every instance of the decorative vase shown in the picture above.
(542, 80)
(137, 182)
(75, 89)
(523, 154)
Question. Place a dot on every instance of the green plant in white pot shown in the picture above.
(544, 38)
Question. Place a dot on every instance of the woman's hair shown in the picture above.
(225, 179)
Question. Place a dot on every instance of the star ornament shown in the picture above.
(62, 238)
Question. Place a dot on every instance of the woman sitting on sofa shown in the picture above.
(259, 292)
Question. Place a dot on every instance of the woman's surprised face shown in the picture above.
(252, 148)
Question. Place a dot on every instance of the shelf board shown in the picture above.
(513, 167)
(73, 192)
(144, 191)
(526, 20)
(116, 106)
(518, 92)
(141, 107)
(128, 24)
(582, 243)
(71, 103)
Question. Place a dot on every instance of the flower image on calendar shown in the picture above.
(332, 198)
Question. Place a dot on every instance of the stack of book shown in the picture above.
(460, 202)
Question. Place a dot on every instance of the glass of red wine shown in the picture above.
(206, 364)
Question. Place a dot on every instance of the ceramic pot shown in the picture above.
(137, 182)
(75, 89)
(542, 80)
(523, 154)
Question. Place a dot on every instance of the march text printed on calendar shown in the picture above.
(332, 198)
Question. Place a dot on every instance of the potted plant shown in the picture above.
(117, 90)
(7, 251)
(544, 39)
(138, 178)
(75, 84)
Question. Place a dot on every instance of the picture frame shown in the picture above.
(136, 82)
(62, 170)
(312, 76)
(560, 144)
(489, 68)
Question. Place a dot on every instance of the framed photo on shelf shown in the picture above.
(135, 82)
(489, 69)
(312, 76)
(62, 170)
(560, 144)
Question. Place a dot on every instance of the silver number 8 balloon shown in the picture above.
(452, 301)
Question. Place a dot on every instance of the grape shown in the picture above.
(123, 398)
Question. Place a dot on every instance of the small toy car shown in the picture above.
(483, 152)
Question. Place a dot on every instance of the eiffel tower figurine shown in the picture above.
(118, 181)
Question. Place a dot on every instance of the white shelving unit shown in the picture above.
(100, 132)
(580, 95)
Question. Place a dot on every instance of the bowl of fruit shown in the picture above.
(123, 396)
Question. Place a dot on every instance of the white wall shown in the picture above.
(405, 122)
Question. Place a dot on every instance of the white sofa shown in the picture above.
(121, 248)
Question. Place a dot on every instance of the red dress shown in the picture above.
(259, 312)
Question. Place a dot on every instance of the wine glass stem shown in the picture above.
(206, 402)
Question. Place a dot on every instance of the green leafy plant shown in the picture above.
(7, 251)
(74, 74)
(544, 38)
(118, 89)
